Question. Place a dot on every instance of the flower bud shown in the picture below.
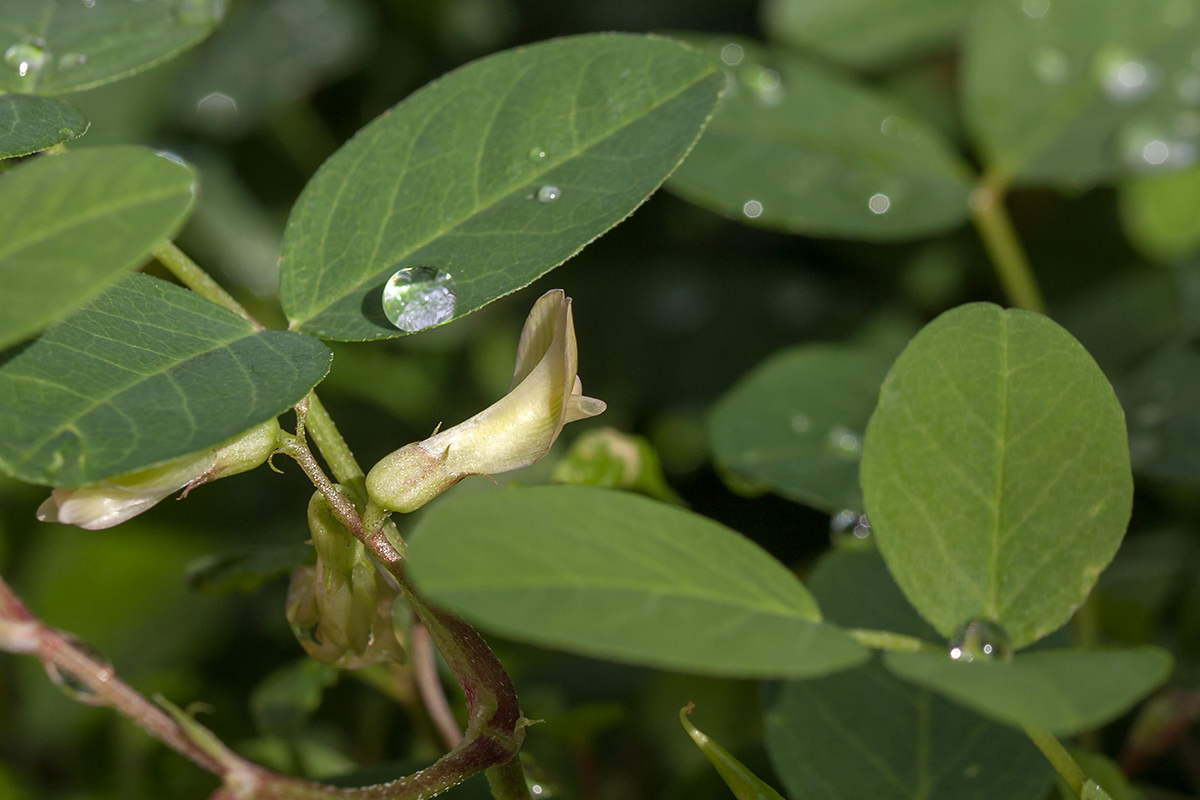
(111, 502)
(516, 431)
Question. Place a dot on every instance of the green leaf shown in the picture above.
(1063, 691)
(855, 590)
(1163, 396)
(246, 570)
(68, 45)
(71, 224)
(865, 33)
(866, 733)
(618, 576)
(799, 148)
(29, 123)
(996, 471)
(1074, 92)
(286, 698)
(1159, 213)
(144, 373)
(744, 784)
(449, 177)
(795, 423)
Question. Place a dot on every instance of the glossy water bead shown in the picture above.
(419, 297)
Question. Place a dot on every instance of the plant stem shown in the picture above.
(1004, 246)
(1057, 755)
(508, 780)
(192, 276)
(886, 640)
(333, 447)
(424, 662)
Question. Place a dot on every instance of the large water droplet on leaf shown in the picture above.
(419, 297)
(843, 443)
(981, 640)
(548, 194)
(27, 58)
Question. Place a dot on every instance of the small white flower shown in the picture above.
(516, 431)
(111, 502)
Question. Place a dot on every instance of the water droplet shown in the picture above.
(1123, 77)
(732, 54)
(70, 683)
(843, 443)
(850, 530)
(548, 194)
(801, 423)
(879, 203)
(419, 297)
(200, 12)
(217, 111)
(1050, 65)
(752, 209)
(537, 153)
(1147, 148)
(69, 60)
(27, 58)
(89, 3)
(169, 156)
(1035, 9)
(890, 126)
(767, 85)
(981, 640)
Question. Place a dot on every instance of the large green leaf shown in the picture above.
(56, 46)
(799, 148)
(996, 471)
(144, 373)
(453, 176)
(1159, 213)
(1075, 92)
(796, 423)
(865, 33)
(29, 123)
(71, 224)
(904, 741)
(1064, 691)
(618, 576)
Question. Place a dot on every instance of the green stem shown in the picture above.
(1057, 755)
(508, 781)
(886, 640)
(336, 452)
(192, 276)
(1004, 246)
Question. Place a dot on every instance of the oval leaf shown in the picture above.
(68, 45)
(144, 373)
(1072, 92)
(996, 471)
(71, 224)
(865, 33)
(29, 123)
(1063, 691)
(452, 176)
(677, 590)
(796, 423)
(796, 147)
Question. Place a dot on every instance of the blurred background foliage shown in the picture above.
(672, 308)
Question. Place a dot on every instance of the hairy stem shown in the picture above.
(432, 694)
(192, 276)
(1004, 246)
(1057, 755)
(334, 449)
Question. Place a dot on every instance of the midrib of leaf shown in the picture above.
(998, 494)
(69, 422)
(491, 201)
(47, 233)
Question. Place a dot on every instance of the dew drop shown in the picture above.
(850, 530)
(27, 58)
(200, 12)
(1123, 77)
(89, 3)
(1035, 9)
(548, 194)
(766, 84)
(801, 423)
(879, 203)
(68, 60)
(537, 153)
(71, 684)
(419, 297)
(981, 640)
(169, 156)
(1050, 65)
(752, 209)
(843, 443)
(732, 54)
(1148, 148)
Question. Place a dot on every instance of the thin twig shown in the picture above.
(1000, 238)
(432, 692)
